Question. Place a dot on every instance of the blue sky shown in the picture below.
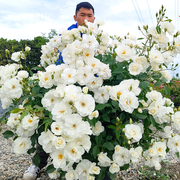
(26, 19)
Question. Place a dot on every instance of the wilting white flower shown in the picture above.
(114, 168)
(54, 175)
(94, 169)
(135, 153)
(21, 145)
(27, 48)
(128, 102)
(98, 128)
(104, 160)
(24, 132)
(122, 157)
(167, 132)
(133, 132)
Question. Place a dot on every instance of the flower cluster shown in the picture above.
(90, 105)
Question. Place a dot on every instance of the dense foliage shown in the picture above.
(95, 111)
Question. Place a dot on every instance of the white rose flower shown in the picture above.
(73, 152)
(143, 61)
(59, 142)
(84, 104)
(135, 68)
(104, 160)
(49, 100)
(60, 110)
(57, 127)
(22, 75)
(115, 92)
(174, 143)
(128, 102)
(89, 41)
(161, 148)
(54, 175)
(167, 75)
(95, 83)
(114, 168)
(167, 132)
(13, 88)
(133, 132)
(21, 145)
(135, 153)
(71, 175)
(58, 159)
(98, 128)
(101, 95)
(152, 30)
(69, 75)
(45, 139)
(30, 122)
(27, 48)
(124, 53)
(24, 132)
(94, 114)
(16, 56)
(156, 56)
(176, 120)
(167, 26)
(94, 169)
(13, 120)
(73, 125)
(122, 157)
(177, 44)
(45, 79)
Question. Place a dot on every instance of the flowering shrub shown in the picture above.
(96, 112)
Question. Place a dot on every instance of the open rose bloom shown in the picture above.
(95, 112)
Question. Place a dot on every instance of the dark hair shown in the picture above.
(86, 5)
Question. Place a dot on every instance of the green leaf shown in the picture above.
(95, 151)
(177, 154)
(36, 160)
(158, 83)
(32, 150)
(102, 106)
(25, 113)
(125, 167)
(112, 176)
(144, 84)
(108, 145)
(105, 117)
(158, 29)
(7, 134)
(50, 169)
(115, 104)
(117, 134)
(140, 115)
(36, 89)
(112, 127)
(140, 38)
(167, 91)
(16, 110)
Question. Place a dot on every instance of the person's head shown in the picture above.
(84, 10)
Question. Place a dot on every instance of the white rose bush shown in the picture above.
(90, 104)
